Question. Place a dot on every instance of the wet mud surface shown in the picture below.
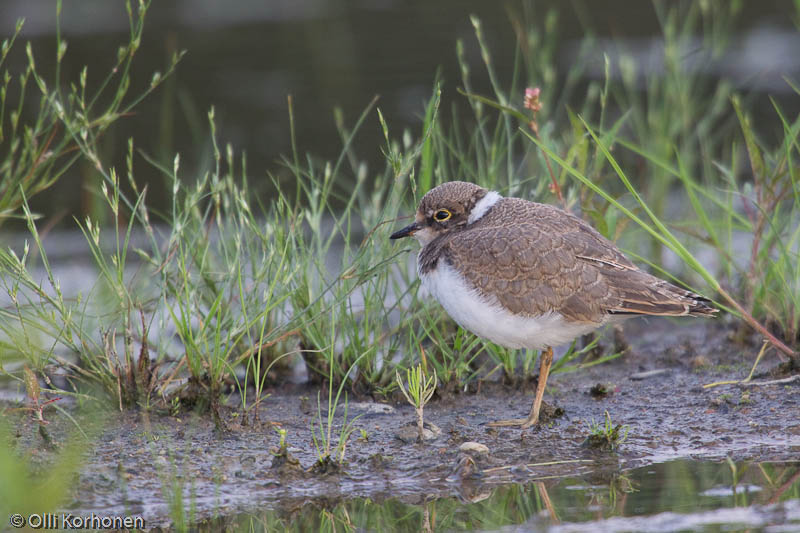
(138, 461)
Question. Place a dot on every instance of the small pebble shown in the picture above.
(472, 446)
(369, 408)
(409, 432)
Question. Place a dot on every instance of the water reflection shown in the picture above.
(678, 495)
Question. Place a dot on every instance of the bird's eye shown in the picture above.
(442, 214)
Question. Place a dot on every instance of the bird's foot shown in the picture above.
(523, 423)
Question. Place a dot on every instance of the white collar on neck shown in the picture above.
(482, 206)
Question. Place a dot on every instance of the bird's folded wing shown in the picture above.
(561, 264)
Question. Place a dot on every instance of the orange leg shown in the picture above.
(533, 418)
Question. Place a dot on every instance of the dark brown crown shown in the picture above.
(458, 197)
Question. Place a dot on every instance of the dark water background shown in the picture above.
(245, 57)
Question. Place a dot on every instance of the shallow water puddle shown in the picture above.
(681, 495)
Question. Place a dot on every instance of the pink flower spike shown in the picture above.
(532, 99)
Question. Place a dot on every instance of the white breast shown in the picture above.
(485, 317)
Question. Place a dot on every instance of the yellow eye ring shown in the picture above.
(441, 215)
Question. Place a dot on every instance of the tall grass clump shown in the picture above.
(47, 124)
(192, 281)
(204, 300)
(339, 249)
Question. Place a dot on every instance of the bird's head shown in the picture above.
(448, 207)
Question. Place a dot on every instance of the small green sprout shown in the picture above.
(606, 435)
(420, 390)
(282, 435)
(281, 449)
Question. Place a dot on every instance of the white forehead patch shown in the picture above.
(482, 206)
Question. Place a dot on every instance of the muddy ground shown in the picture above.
(137, 460)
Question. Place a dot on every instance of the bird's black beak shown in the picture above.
(405, 232)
